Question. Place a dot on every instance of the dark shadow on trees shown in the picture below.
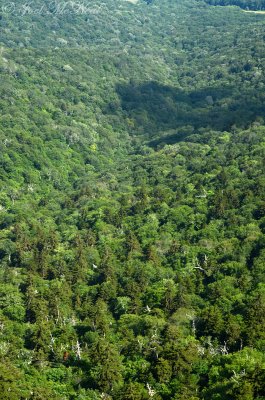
(167, 115)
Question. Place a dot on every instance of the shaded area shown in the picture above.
(167, 114)
(245, 4)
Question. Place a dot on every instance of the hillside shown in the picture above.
(246, 4)
(132, 207)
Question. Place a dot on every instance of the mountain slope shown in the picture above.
(132, 201)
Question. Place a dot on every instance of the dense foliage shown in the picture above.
(246, 4)
(132, 207)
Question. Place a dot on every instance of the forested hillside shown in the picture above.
(246, 4)
(132, 207)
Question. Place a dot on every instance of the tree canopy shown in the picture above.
(132, 207)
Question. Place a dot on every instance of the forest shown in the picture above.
(246, 4)
(132, 209)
